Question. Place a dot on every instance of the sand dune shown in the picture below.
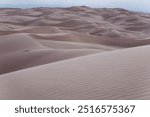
(22, 51)
(121, 74)
(73, 53)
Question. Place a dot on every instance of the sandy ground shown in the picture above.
(74, 53)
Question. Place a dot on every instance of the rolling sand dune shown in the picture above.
(73, 53)
(21, 51)
(121, 74)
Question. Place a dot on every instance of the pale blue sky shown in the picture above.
(135, 5)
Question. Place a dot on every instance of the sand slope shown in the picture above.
(122, 74)
(21, 51)
(73, 53)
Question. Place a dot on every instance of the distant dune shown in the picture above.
(74, 53)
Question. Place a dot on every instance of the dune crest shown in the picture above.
(119, 75)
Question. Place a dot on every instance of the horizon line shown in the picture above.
(30, 6)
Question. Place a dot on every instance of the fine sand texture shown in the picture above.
(74, 53)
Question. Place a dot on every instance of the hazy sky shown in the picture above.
(136, 5)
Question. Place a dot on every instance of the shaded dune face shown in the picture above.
(19, 51)
(75, 51)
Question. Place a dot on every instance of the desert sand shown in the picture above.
(74, 53)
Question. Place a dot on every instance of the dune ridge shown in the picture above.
(79, 78)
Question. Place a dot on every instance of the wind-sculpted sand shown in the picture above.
(74, 53)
